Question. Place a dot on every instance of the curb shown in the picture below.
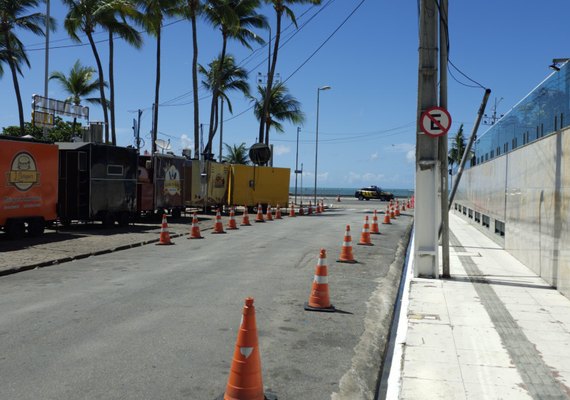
(62, 260)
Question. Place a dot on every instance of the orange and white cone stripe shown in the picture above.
(232, 222)
(365, 235)
(374, 229)
(195, 231)
(278, 213)
(268, 214)
(346, 255)
(245, 218)
(164, 234)
(319, 299)
(259, 216)
(218, 226)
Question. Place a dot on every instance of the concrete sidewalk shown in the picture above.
(493, 331)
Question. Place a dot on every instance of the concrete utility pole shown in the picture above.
(426, 252)
(46, 71)
(297, 162)
(442, 145)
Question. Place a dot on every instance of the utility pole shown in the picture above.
(139, 130)
(442, 145)
(153, 134)
(426, 251)
(46, 72)
(297, 162)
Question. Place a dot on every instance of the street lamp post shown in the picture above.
(317, 138)
(297, 163)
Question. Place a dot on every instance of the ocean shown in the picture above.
(345, 192)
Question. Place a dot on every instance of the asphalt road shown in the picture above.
(160, 322)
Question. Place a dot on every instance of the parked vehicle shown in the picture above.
(373, 192)
(97, 182)
(28, 192)
(160, 184)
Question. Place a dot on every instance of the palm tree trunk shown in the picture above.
(112, 88)
(101, 85)
(15, 80)
(265, 115)
(195, 80)
(215, 91)
(156, 91)
(73, 125)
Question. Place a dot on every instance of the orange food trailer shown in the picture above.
(28, 187)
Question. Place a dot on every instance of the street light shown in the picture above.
(297, 171)
(317, 137)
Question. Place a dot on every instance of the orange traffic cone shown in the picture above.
(245, 381)
(164, 235)
(387, 218)
(278, 213)
(195, 231)
(319, 298)
(374, 229)
(318, 208)
(365, 236)
(259, 216)
(346, 251)
(338, 198)
(218, 226)
(301, 210)
(292, 211)
(232, 222)
(404, 206)
(245, 218)
(397, 212)
(268, 215)
(310, 209)
(392, 214)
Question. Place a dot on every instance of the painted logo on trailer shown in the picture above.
(172, 181)
(23, 172)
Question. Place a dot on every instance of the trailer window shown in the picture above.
(115, 170)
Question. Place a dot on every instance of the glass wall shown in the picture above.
(543, 111)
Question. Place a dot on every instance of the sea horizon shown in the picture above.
(345, 192)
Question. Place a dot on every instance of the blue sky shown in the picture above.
(367, 119)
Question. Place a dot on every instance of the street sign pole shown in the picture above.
(426, 251)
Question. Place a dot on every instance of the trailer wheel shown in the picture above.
(15, 229)
(36, 227)
(124, 219)
(108, 220)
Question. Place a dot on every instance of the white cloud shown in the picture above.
(411, 156)
(281, 149)
(374, 156)
(368, 178)
(186, 142)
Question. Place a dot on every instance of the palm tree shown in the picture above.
(131, 36)
(282, 107)
(155, 12)
(233, 78)
(78, 84)
(234, 18)
(457, 148)
(84, 16)
(14, 15)
(191, 11)
(236, 154)
(280, 7)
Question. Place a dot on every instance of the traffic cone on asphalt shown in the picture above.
(195, 231)
(338, 198)
(346, 255)
(164, 235)
(310, 209)
(232, 222)
(365, 235)
(404, 206)
(301, 210)
(292, 211)
(397, 212)
(387, 218)
(259, 216)
(245, 218)
(319, 297)
(318, 208)
(245, 381)
(218, 226)
(268, 215)
(392, 214)
(278, 213)
(374, 229)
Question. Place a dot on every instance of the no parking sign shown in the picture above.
(435, 121)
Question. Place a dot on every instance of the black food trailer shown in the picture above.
(161, 184)
(97, 182)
